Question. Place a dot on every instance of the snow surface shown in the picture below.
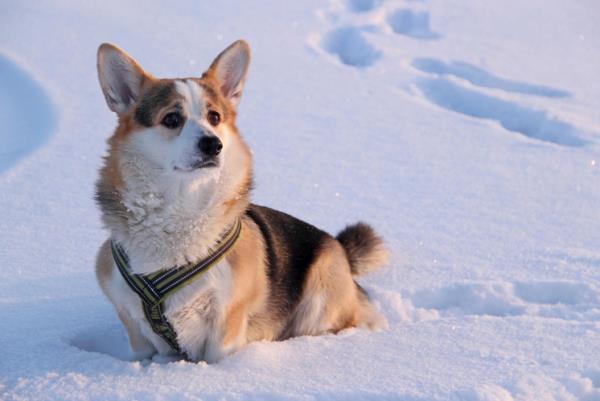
(466, 132)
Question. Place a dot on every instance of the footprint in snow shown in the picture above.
(536, 124)
(363, 6)
(348, 43)
(493, 299)
(26, 112)
(350, 46)
(412, 23)
(553, 299)
(553, 293)
(480, 77)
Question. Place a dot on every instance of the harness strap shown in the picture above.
(153, 289)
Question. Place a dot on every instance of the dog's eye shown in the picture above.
(213, 117)
(172, 120)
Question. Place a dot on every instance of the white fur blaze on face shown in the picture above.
(179, 152)
(195, 127)
(194, 102)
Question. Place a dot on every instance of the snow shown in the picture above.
(22, 95)
(412, 23)
(467, 133)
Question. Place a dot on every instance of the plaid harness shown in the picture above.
(153, 289)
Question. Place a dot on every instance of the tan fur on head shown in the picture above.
(149, 162)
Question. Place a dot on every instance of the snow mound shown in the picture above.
(27, 115)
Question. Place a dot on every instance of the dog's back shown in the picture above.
(310, 273)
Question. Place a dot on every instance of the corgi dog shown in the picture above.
(176, 179)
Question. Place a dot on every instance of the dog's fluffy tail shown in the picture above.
(365, 250)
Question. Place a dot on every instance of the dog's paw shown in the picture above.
(374, 320)
(140, 355)
(163, 359)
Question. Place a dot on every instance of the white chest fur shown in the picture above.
(173, 221)
(170, 220)
(195, 311)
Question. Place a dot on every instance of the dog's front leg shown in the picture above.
(232, 335)
(141, 347)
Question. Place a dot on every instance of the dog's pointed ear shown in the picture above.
(230, 69)
(121, 77)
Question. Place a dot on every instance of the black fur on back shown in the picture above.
(291, 247)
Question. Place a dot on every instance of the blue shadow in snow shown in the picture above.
(532, 123)
(480, 77)
(27, 114)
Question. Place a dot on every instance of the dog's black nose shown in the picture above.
(210, 145)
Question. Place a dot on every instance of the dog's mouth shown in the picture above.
(198, 164)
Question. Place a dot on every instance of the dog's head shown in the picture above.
(180, 127)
